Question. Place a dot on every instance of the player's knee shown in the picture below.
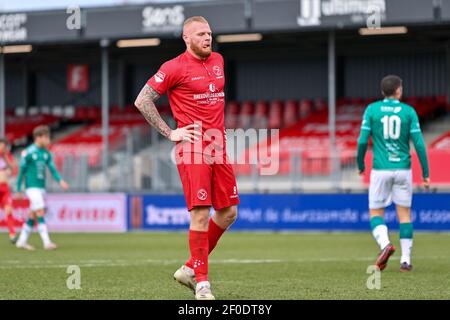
(227, 216)
(232, 214)
(201, 222)
(200, 217)
(404, 218)
(40, 213)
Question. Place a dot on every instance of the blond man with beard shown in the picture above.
(194, 83)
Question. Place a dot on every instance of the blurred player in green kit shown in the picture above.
(392, 124)
(33, 164)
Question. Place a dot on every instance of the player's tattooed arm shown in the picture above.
(145, 102)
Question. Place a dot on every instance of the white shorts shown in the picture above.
(387, 186)
(36, 197)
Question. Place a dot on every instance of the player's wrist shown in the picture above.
(171, 135)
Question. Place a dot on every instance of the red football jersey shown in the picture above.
(195, 89)
(5, 159)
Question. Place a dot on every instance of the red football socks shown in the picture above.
(10, 224)
(214, 234)
(198, 245)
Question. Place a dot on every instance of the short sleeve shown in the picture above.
(221, 59)
(415, 125)
(366, 122)
(163, 80)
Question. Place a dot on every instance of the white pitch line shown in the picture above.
(12, 264)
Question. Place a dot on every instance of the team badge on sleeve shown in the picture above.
(217, 71)
(159, 76)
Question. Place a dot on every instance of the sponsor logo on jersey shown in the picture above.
(197, 78)
(209, 95)
(397, 109)
(387, 109)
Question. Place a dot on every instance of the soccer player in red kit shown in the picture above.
(194, 83)
(7, 167)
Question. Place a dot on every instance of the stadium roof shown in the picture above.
(33, 5)
(164, 19)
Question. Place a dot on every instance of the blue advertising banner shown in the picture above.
(323, 212)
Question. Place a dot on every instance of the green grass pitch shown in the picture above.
(244, 266)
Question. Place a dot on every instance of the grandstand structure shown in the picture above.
(306, 67)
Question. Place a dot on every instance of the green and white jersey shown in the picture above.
(33, 164)
(391, 123)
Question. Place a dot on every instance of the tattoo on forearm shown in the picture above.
(145, 102)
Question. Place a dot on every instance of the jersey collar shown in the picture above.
(37, 147)
(191, 57)
(391, 100)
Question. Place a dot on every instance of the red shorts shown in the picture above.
(5, 195)
(208, 184)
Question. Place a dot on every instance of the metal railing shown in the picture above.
(140, 165)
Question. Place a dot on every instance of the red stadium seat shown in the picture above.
(18, 129)
(275, 114)
(442, 142)
(231, 114)
(88, 140)
(246, 115)
(320, 104)
(260, 117)
(306, 107)
(291, 112)
(310, 133)
(93, 113)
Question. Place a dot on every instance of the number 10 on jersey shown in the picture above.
(391, 126)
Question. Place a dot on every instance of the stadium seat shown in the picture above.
(275, 114)
(20, 111)
(33, 111)
(260, 116)
(246, 115)
(320, 104)
(231, 114)
(291, 112)
(442, 142)
(69, 112)
(57, 111)
(19, 128)
(46, 110)
(306, 107)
